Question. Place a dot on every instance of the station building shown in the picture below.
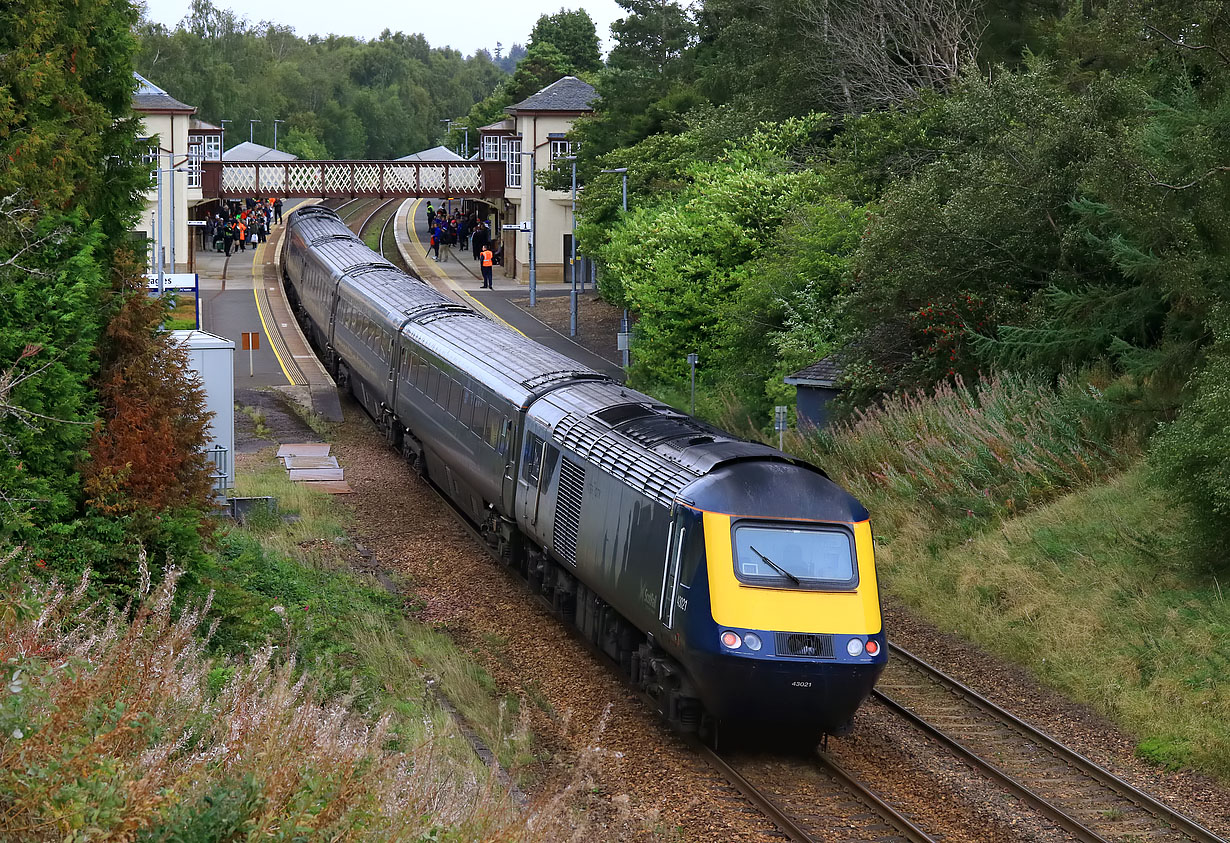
(532, 137)
(176, 144)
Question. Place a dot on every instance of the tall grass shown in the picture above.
(116, 725)
(965, 455)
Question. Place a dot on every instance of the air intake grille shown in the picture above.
(568, 510)
(804, 645)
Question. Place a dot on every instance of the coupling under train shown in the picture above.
(734, 583)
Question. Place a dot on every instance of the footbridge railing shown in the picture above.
(353, 179)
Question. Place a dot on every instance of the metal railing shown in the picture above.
(221, 459)
(353, 179)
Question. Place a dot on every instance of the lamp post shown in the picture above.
(251, 123)
(533, 223)
(275, 133)
(572, 261)
(158, 244)
(693, 359)
(623, 325)
(223, 121)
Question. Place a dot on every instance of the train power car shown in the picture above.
(732, 582)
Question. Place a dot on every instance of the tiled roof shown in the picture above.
(436, 153)
(198, 125)
(567, 94)
(248, 151)
(505, 125)
(825, 373)
(149, 97)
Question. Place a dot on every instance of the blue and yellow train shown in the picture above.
(732, 582)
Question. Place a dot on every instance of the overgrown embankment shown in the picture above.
(1021, 517)
(268, 690)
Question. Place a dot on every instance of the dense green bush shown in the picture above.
(1191, 455)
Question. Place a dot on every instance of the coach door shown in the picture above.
(537, 464)
(670, 571)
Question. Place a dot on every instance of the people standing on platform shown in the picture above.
(479, 239)
(488, 258)
(499, 252)
(241, 232)
(446, 239)
(463, 234)
(277, 210)
(228, 236)
(435, 242)
(262, 225)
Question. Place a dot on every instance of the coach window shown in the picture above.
(531, 460)
(454, 400)
(433, 383)
(493, 427)
(467, 404)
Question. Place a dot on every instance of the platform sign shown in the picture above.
(196, 222)
(251, 343)
(780, 421)
(181, 284)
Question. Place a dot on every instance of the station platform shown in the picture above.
(243, 294)
(459, 275)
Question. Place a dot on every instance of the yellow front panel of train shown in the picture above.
(785, 609)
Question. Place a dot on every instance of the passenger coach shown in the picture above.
(731, 581)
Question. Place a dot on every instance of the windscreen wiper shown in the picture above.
(776, 567)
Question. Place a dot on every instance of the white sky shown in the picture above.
(465, 25)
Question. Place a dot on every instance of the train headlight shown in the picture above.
(872, 647)
(752, 640)
(730, 640)
(854, 646)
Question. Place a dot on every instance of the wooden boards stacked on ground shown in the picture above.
(309, 463)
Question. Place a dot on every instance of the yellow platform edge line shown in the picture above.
(426, 248)
(260, 311)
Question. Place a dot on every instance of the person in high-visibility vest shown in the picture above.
(488, 258)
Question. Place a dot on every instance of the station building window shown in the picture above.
(513, 161)
(491, 147)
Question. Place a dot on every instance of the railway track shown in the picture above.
(1087, 801)
(815, 800)
(831, 806)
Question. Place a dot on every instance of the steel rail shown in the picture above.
(368, 219)
(1147, 803)
(752, 794)
(902, 823)
(746, 789)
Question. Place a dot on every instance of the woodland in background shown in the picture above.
(340, 97)
(929, 189)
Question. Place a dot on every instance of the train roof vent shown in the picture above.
(325, 238)
(620, 413)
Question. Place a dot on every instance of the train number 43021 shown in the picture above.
(801, 684)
